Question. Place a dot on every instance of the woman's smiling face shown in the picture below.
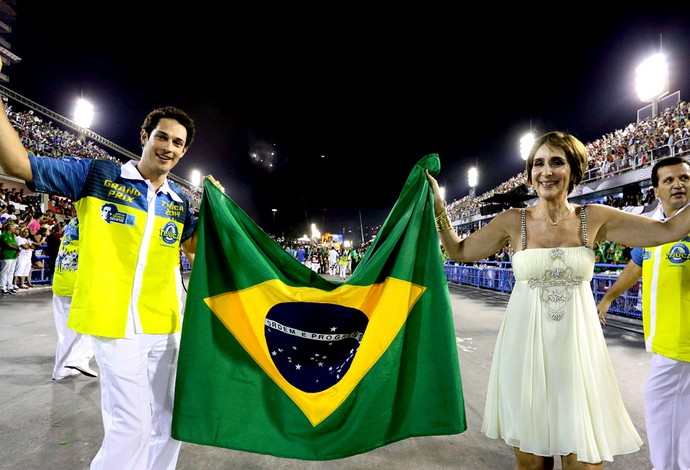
(550, 172)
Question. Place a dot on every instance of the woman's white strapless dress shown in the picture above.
(552, 389)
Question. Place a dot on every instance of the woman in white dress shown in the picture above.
(22, 271)
(552, 390)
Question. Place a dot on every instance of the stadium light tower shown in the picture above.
(472, 178)
(83, 116)
(83, 113)
(526, 142)
(651, 80)
(315, 234)
(196, 178)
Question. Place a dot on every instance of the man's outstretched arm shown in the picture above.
(628, 277)
(14, 158)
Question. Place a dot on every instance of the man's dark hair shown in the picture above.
(170, 112)
(670, 161)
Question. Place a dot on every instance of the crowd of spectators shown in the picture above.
(36, 233)
(318, 257)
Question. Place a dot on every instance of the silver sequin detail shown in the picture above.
(523, 227)
(556, 285)
(583, 225)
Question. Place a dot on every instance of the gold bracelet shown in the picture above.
(442, 221)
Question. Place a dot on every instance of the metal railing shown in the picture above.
(680, 148)
(498, 276)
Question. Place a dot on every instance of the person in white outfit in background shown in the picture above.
(22, 271)
(332, 261)
(74, 350)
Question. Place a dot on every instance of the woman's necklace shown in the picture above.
(558, 219)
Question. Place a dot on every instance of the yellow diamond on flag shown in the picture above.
(254, 314)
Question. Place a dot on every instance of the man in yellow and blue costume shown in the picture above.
(665, 272)
(132, 221)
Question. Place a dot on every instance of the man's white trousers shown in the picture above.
(667, 412)
(137, 379)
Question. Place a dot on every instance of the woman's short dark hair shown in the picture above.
(575, 153)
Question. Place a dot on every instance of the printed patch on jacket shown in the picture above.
(111, 214)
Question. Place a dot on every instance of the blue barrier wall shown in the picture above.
(186, 266)
(499, 276)
(41, 275)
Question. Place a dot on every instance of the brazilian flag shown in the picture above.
(275, 359)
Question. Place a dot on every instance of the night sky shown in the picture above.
(341, 104)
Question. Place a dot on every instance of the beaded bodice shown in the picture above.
(554, 272)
